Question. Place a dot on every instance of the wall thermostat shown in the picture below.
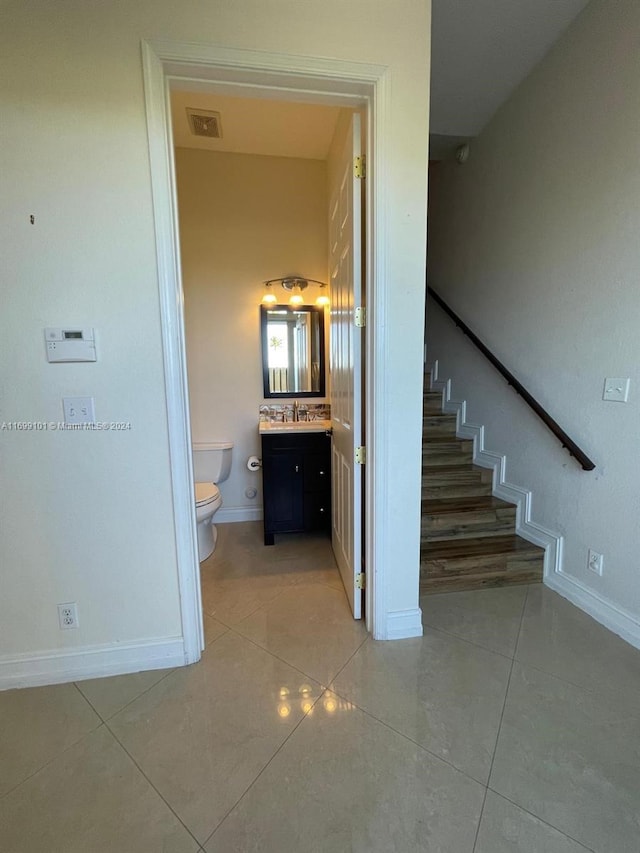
(70, 344)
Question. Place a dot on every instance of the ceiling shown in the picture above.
(257, 125)
(482, 49)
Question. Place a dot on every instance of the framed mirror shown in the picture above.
(293, 357)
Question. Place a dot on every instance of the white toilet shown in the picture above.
(211, 465)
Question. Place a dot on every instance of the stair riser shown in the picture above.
(487, 563)
(442, 459)
(468, 525)
(460, 490)
(432, 406)
(469, 475)
(432, 426)
(484, 581)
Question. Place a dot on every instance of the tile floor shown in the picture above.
(512, 726)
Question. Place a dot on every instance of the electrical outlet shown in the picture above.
(68, 615)
(595, 562)
(79, 410)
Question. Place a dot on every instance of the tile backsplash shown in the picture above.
(284, 412)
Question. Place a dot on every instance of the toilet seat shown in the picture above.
(206, 493)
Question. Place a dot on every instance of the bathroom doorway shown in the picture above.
(339, 83)
(266, 189)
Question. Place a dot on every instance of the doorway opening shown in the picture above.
(269, 193)
(340, 83)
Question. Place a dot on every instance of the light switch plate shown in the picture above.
(79, 410)
(616, 390)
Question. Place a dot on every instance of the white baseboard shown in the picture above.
(228, 515)
(610, 615)
(38, 668)
(403, 624)
(522, 498)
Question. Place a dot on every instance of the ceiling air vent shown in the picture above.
(205, 123)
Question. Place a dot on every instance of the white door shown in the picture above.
(345, 264)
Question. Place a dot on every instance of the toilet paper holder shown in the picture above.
(253, 463)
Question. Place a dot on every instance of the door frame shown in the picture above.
(282, 76)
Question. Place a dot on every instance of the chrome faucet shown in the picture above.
(296, 411)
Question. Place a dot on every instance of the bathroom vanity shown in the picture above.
(296, 477)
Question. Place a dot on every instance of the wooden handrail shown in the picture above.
(517, 386)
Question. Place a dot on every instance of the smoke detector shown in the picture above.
(204, 123)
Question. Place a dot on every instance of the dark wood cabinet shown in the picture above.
(296, 483)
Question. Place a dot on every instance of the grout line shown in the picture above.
(167, 804)
(466, 640)
(588, 689)
(545, 822)
(115, 713)
(292, 666)
(404, 735)
(277, 657)
(504, 705)
(278, 750)
(53, 758)
(350, 658)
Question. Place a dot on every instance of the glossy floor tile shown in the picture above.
(488, 617)
(561, 639)
(38, 724)
(505, 828)
(107, 696)
(92, 799)
(572, 758)
(245, 751)
(443, 693)
(203, 734)
(345, 782)
(309, 627)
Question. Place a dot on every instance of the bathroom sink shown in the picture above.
(299, 426)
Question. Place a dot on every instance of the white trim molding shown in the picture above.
(37, 668)
(403, 624)
(232, 514)
(601, 609)
(321, 80)
(613, 617)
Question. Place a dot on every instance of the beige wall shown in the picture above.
(243, 219)
(534, 242)
(88, 517)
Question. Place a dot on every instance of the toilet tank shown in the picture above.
(212, 461)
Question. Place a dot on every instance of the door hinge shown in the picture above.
(361, 455)
(360, 581)
(360, 167)
(360, 317)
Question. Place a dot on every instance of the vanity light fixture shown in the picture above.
(323, 299)
(269, 297)
(295, 285)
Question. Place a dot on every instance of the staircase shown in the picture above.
(468, 538)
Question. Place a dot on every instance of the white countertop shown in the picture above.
(297, 426)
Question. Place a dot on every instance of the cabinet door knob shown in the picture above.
(297, 469)
(322, 473)
(321, 509)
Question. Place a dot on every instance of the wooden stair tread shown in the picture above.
(468, 538)
(444, 439)
(472, 469)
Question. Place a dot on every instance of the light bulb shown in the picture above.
(323, 299)
(296, 299)
(269, 298)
